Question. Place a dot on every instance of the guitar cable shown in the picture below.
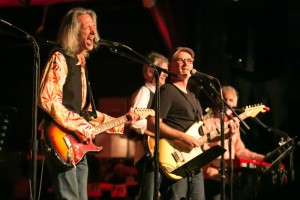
(41, 178)
(41, 181)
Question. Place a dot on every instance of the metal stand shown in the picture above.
(288, 140)
(208, 83)
(36, 74)
(119, 48)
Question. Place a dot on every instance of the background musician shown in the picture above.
(142, 98)
(234, 146)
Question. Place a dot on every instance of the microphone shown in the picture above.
(200, 74)
(110, 43)
(48, 42)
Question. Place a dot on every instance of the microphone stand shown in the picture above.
(232, 110)
(157, 134)
(157, 70)
(223, 103)
(222, 170)
(36, 73)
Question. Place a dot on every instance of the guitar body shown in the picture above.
(171, 156)
(69, 149)
(149, 145)
(66, 145)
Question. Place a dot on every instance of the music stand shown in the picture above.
(188, 169)
(7, 115)
(286, 151)
(199, 161)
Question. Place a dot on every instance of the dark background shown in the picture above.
(227, 37)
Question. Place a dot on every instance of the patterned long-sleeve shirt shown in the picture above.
(51, 93)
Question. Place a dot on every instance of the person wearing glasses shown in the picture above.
(179, 110)
(143, 98)
(68, 109)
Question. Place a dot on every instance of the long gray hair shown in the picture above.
(69, 29)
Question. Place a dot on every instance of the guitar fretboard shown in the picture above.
(111, 124)
(212, 135)
(216, 132)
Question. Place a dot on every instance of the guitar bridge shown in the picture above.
(69, 157)
(70, 160)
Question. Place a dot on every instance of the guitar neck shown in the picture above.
(216, 132)
(205, 138)
(242, 116)
(111, 124)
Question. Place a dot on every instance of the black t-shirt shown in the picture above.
(177, 109)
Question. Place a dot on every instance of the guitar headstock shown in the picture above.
(253, 110)
(144, 112)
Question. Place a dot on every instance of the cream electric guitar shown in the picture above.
(172, 155)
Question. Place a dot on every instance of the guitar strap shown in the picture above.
(191, 98)
(90, 99)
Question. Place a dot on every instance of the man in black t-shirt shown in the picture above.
(179, 112)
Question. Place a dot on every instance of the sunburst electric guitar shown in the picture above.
(70, 150)
(172, 155)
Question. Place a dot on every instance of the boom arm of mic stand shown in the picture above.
(235, 114)
(216, 105)
(141, 59)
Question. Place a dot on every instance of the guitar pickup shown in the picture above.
(67, 142)
(177, 157)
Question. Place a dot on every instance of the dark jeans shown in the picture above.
(183, 188)
(68, 183)
(145, 169)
